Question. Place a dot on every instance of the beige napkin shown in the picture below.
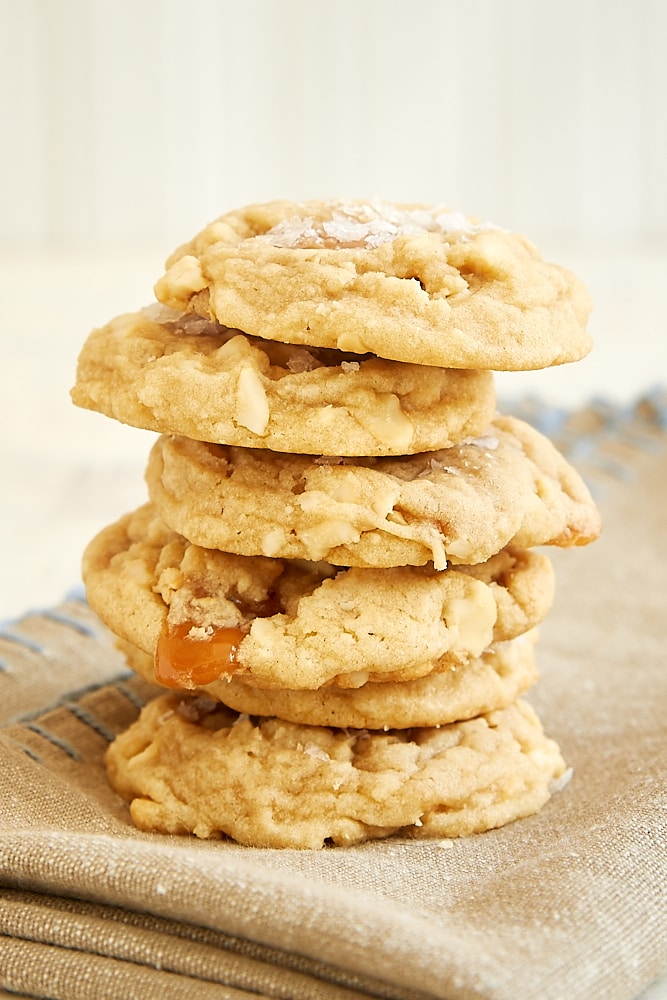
(571, 903)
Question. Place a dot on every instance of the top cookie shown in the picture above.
(411, 283)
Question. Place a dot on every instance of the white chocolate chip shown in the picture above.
(233, 349)
(327, 535)
(472, 616)
(252, 407)
(185, 276)
(356, 679)
(386, 421)
(351, 342)
(396, 517)
(273, 541)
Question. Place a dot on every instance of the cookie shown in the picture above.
(188, 767)
(458, 505)
(174, 373)
(483, 684)
(207, 614)
(414, 283)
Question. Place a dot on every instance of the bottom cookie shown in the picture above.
(191, 765)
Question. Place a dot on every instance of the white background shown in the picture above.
(128, 125)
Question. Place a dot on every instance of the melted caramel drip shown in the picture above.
(185, 659)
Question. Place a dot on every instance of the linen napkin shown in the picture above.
(570, 903)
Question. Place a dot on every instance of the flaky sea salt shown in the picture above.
(200, 632)
(159, 313)
(368, 226)
(558, 784)
(313, 750)
(302, 360)
(486, 443)
(194, 709)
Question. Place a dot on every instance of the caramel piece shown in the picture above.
(191, 656)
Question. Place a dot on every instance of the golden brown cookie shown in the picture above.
(174, 373)
(288, 623)
(414, 283)
(194, 766)
(458, 505)
(459, 691)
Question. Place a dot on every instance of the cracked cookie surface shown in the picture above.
(414, 283)
(458, 505)
(294, 624)
(176, 373)
(188, 767)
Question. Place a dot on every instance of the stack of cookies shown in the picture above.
(337, 577)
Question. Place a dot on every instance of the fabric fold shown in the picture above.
(70, 930)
